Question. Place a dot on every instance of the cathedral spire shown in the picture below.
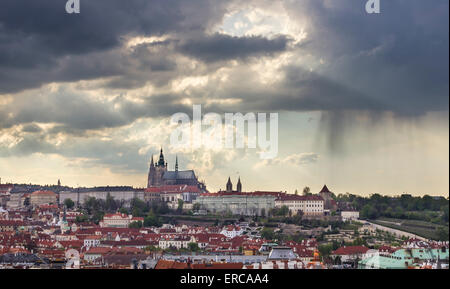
(161, 158)
(151, 162)
(229, 185)
(239, 185)
(176, 163)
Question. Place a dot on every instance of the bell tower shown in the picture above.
(239, 186)
(151, 174)
(229, 186)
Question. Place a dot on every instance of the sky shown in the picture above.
(362, 98)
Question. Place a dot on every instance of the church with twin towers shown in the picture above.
(160, 175)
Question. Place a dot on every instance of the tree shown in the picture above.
(151, 248)
(306, 191)
(193, 247)
(325, 250)
(110, 203)
(180, 205)
(369, 212)
(138, 207)
(267, 233)
(26, 202)
(297, 219)
(123, 210)
(152, 221)
(91, 204)
(135, 225)
(69, 203)
(284, 210)
(81, 219)
(97, 216)
(443, 234)
(444, 210)
(196, 207)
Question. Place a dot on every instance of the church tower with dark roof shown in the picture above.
(151, 174)
(239, 186)
(156, 172)
(229, 186)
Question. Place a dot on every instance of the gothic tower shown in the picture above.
(161, 168)
(239, 186)
(151, 174)
(229, 186)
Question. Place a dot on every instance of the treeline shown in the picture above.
(426, 208)
(94, 209)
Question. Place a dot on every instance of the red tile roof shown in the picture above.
(351, 250)
(50, 193)
(219, 266)
(288, 197)
(165, 264)
(325, 190)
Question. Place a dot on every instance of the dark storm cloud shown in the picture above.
(308, 91)
(34, 35)
(40, 43)
(102, 22)
(396, 61)
(398, 57)
(219, 47)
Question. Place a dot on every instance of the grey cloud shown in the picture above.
(36, 35)
(31, 128)
(117, 155)
(398, 58)
(218, 47)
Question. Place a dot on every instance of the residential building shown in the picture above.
(178, 241)
(349, 215)
(308, 205)
(232, 231)
(248, 204)
(43, 197)
(119, 193)
(350, 253)
(119, 220)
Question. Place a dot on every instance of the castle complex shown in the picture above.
(159, 175)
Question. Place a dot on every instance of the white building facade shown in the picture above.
(309, 205)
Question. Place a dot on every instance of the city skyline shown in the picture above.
(234, 181)
(362, 98)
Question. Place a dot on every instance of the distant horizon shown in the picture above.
(300, 190)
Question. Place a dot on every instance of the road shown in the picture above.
(394, 231)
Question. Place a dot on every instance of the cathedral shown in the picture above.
(159, 175)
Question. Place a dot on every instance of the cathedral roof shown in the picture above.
(173, 189)
(179, 175)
